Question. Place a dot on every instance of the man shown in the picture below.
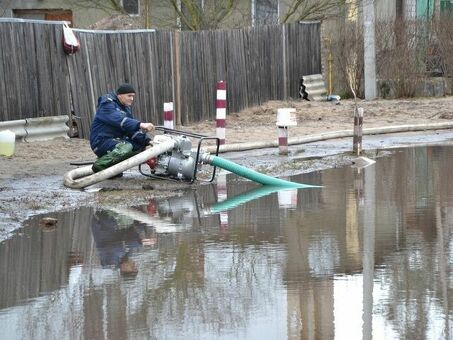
(115, 134)
(117, 237)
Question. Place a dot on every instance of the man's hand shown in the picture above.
(147, 127)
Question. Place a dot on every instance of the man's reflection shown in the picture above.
(116, 237)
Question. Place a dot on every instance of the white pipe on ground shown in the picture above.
(330, 135)
(82, 177)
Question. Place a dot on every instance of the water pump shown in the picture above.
(182, 162)
(172, 157)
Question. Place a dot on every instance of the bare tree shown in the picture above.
(4, 7)
(298, 10)
(444, 42)
(108, 6)
(196, 15)
(348, 57)
(401, 57)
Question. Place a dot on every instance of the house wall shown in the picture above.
(424, 8)
(162, 16)
(81, 16)
(241, 15)
(385, 9)
(410, 9)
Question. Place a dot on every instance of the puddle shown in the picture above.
(369, 255)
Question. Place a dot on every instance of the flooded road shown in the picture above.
(367, 256)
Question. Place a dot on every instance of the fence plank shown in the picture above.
(250, 60)
(4, 112)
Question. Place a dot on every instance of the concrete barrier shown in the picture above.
(315, 89)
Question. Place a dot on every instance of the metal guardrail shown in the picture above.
(16, 126)
(34, 129)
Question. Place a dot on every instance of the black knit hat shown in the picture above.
(125, 88)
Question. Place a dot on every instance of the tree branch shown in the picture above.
(4, 8)
(107, 6)
(299, 10)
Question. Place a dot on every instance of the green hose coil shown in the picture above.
(254, 175)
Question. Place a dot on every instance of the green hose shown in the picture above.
(250, 195)
(254, 175)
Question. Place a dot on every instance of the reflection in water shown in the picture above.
(116, 236)
(367, 256)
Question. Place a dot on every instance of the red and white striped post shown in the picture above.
(222, 195)
(221, 111)
(287, 199)
(168, 115)
(283, 140)
(285, 117)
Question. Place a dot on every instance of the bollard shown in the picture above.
(287, 199)
(222, 195)
(168, 115)
(283, 140)
(358, 125)
(358, 186)
(285, 117)
(221, 111)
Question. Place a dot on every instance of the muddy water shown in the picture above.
(368, 256)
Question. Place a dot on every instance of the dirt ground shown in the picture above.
(31, 181)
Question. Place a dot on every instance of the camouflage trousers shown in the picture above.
(122, 151)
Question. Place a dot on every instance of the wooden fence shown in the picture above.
(258, 64)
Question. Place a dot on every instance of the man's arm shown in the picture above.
(147, 127)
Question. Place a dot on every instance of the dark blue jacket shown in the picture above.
(113, 241)
(114, 123)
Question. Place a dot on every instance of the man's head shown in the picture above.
(126, 94)
(128, 267)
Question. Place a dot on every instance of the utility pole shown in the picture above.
(147, 14)
(369, 53)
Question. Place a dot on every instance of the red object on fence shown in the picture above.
(221, 111)
(168, 115)
(71, 44)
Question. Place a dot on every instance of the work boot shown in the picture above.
(121, 152)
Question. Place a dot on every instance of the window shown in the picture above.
(132, 7)
(265, 12)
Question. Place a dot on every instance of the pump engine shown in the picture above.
(182, 162)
